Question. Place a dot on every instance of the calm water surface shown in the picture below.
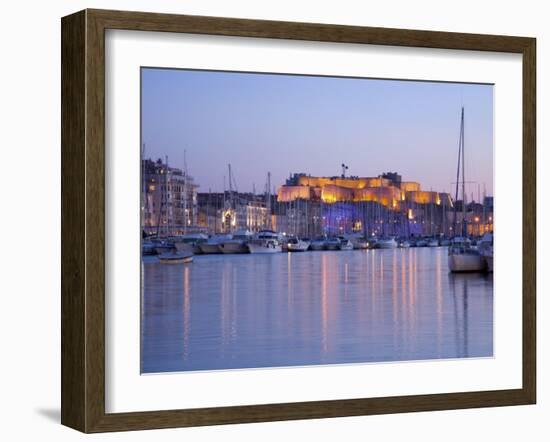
(242, 311)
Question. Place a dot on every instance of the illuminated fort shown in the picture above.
(382, 205)
(387, 189)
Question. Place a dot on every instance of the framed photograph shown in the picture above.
(270, 220)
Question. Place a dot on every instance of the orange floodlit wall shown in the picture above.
(410, 186)
(349, 183)
(333, 194)
(387, 196)
(291, 193)
(426, 197)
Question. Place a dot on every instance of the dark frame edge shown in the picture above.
(73, 130)
(83, 236)
(136, 421)
(529, 173)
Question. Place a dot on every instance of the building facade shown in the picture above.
(169, 199)
(227, 212)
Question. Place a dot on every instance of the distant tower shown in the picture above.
(344, 168)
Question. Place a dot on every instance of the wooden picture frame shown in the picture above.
(83, 220)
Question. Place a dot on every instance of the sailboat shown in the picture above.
(462, 256)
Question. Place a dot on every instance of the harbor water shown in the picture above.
(312, 308)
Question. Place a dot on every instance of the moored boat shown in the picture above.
(404, 244)
(190, 242)
(266, 241)
(318, 244)
(358, 241)
(360, 244)
(433, 242)
(386, 243)
(332, 244)
(174, 257)
(238, 243)
(345, 244)
(163, 246)
(297, 245)
(213, 245)
(372, 242)
(485, 248)
(463, 257)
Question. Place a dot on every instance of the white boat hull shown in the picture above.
(348, 246)
(386, 245)
(301, 246)
(234, 247)
(466, 262)
(210, 249)
(262, 248)
(317, 246)
(163, 249)
(183, 247)
(175, 258)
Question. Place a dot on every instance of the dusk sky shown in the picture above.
(289, 123)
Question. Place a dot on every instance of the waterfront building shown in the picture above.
(227, 212)
(169, 199)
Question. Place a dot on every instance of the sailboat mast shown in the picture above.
(185, 193)
(268, 200)
(457, 183)
(230, 184)
(144, 188)
(231, 202)
(464, 230)
(168, 211)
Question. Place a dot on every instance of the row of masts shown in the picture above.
(232, 203)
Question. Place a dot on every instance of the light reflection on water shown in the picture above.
(242, 311)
